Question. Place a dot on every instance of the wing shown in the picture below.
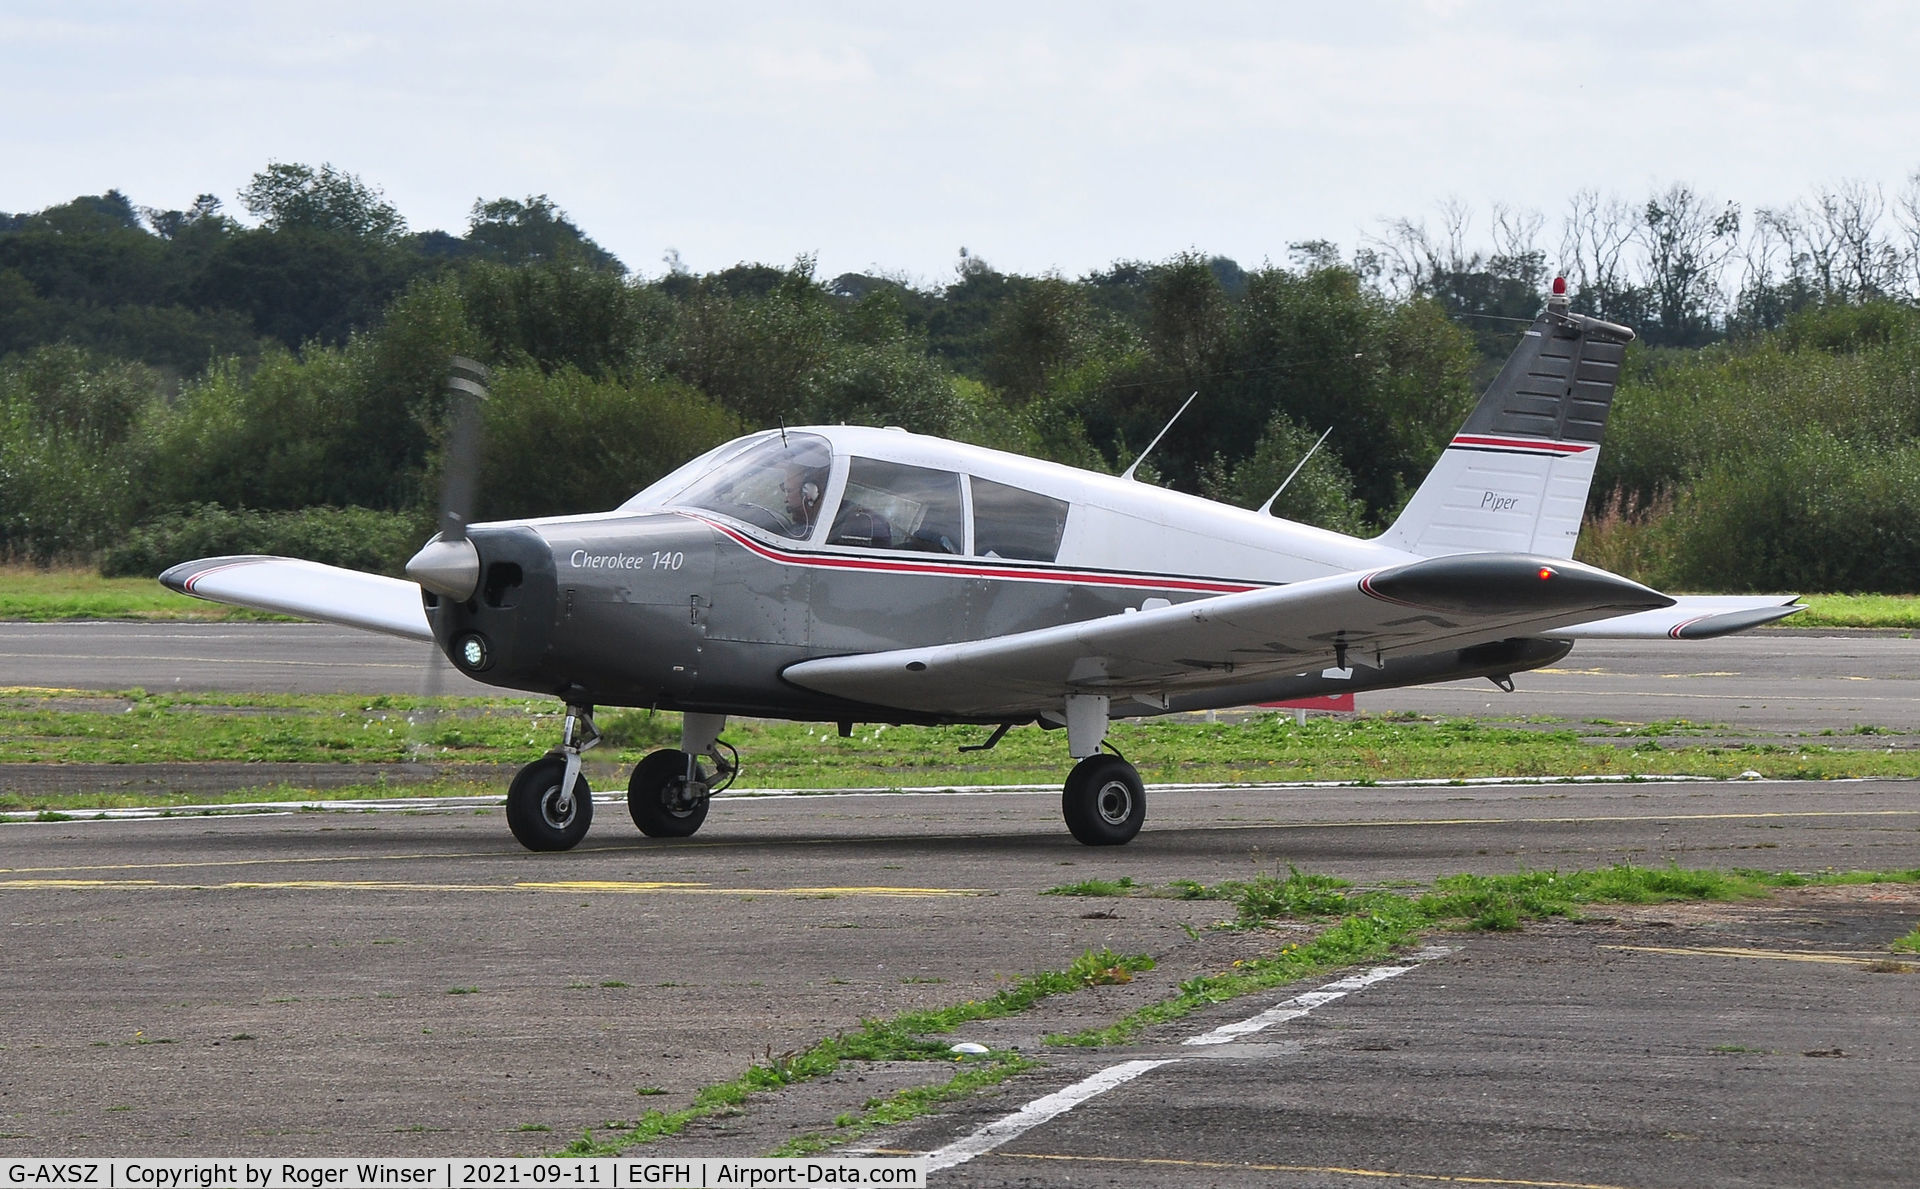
(1692, 617)
(289, 586)
(1363, 618)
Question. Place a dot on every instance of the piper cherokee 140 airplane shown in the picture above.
(843, 574)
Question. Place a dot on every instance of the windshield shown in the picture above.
(777, 484)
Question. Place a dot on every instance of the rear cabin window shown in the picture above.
(889, 505)
(1015, 524)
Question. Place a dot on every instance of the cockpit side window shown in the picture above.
(1016, 524)
(890, 505)
(777, 484)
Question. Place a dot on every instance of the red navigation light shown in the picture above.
(1559, 286)
(1546, 572)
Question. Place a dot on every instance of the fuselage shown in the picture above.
(699, 591)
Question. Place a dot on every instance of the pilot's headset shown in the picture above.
(810, 495)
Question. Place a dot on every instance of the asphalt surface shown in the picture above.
(415, 984)
(1775, 682)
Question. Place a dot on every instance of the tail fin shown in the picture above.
(1515, 478)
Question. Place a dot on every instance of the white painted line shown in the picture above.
(416, 804)
(1040, 1110)
(1035, 1113)
(1300, 1005)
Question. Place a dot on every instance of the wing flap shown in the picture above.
(1358, 618)
(307, 589)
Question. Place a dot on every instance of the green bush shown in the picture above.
(569, 442)
(1820, 513)
(64, 424)
(357, 538)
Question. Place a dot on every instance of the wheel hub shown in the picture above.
(557, 810)
(1114, 803)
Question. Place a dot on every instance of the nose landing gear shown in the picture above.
(549, 806)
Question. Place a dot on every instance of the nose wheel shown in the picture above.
(542, 813)
(549, 806)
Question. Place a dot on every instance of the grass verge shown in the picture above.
(1365, 926)
(1858, 611)
(133, 726)
(903, 1037)
(31, 595)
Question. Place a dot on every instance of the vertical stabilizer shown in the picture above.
(1515, 478)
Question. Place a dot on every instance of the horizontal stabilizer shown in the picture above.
(1692, 617)
(308, 590)
(1362, 618)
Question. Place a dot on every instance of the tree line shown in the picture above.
(173, 383)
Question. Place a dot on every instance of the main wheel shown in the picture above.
(658, 797)
(536, 813)
(1104, 802)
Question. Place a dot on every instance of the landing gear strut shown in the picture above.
(549, 806)
(668, 794)
(1104, 802)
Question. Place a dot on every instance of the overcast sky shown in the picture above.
(1037, 135)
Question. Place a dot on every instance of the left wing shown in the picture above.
(1691, 617)
(1358, 618)
(289, 586)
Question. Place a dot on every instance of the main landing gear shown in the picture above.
(549, 806)
(667, 797)
(1104, 801)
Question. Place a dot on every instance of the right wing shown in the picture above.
(307, 589)
(1359, 618)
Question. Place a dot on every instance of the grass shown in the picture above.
(1124, 886)
(32, 595)
(467, 738)
(1357, 926)
(904, 1037)
(1908, 944)
(1858, 611)
(1367, 926)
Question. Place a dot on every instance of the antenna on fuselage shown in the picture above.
(1266, 509)
(1128, 473)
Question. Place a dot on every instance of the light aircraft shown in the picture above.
(851, 574)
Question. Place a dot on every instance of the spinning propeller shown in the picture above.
(449, 565)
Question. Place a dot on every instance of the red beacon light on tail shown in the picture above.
(1557, 298)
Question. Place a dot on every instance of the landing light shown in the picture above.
(472, 652)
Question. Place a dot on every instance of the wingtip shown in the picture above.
(180, 578)
(1727, 623)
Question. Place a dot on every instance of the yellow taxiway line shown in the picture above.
(1730, 951)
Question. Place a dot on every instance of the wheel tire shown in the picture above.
(652, 797)
(1104, 802)
(531, 811)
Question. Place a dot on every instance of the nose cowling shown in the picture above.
(450, 569)
(491, 598)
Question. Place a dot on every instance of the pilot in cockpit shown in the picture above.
(801, 487)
